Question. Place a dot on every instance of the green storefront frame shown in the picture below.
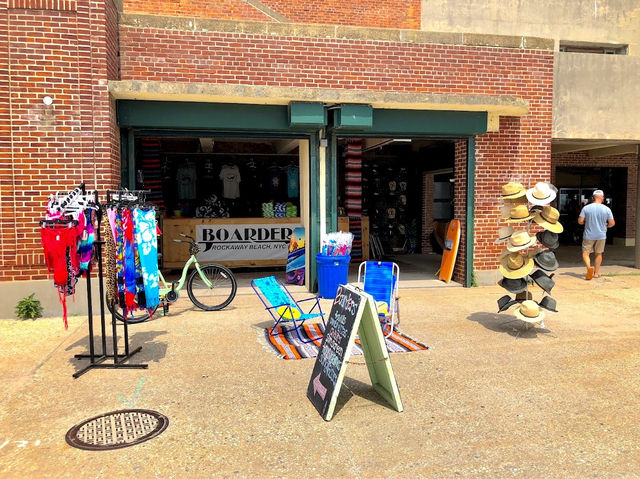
(137, 117)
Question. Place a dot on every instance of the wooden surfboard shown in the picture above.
(450, 252)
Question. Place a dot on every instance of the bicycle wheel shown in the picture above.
(133, 317)
(219, 295)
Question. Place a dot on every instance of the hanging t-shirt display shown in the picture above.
(276, 182)
(186, 178)
(230, 176)
(293, 181)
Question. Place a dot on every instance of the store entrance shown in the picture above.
(396, 197)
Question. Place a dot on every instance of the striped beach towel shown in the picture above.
(288, 346)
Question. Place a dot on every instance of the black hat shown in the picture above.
(548, 303)
(546, 260)
(513, 285)
(543, 280)
(548, 239)
(505, 303)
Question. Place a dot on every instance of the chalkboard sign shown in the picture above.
(352, 311)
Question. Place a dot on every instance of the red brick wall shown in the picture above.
(521, 152)
(629, 161)
(218, 9)
(368, 13)
(460, 206)
(62, 54)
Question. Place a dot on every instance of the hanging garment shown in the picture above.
(293, 181)
(186, 178)
(147, 248)
(59, 246)
(129, 260)
(110, 261)
(119, 260)
(85, 245)
(111, 215)
(230, 176)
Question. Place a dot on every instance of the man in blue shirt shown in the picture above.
(596, 218)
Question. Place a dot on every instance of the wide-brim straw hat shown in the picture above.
(504, 233)
(515, 265)
(530, 312)
(513, 190)
(548, 219)
(520, 240)
(542, 194)
(519, 213)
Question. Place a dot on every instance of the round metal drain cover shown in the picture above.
(117, 429)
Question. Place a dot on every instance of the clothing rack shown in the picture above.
(97, 361)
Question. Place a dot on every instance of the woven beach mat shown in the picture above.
(288, 346)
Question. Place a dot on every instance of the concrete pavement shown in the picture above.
(491, 398)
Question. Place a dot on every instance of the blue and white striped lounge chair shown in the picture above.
(283, 307)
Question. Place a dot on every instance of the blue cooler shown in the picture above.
(332, 272)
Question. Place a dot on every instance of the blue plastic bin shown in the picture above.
(332, 272)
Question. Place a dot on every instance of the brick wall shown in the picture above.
(367, 13)
(629, 161)
(218, 9)
(60, 53)
(460, 206)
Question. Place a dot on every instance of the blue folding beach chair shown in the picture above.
(283, 307)
(380, 280)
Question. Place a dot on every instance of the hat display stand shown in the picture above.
(528, 259)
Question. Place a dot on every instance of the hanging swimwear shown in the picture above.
(147, 248)
(85, 245)
(59, 246)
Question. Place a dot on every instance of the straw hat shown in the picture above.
(513, 190)
(505, 210)
(520, 240)
(542, 194)
(530, 312)
(548, 219)
(515, 265)
(519, 213)
(503, 233)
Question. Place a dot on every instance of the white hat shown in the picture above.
(520, 240)
(598, 193)
(530, 312)
(504, 232)
(542, 194)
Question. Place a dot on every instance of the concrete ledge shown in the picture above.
(271, 95)
(488, 278)
(333, 31)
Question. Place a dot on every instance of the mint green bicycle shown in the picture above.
(211, 287)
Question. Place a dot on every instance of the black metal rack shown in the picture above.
(98, 361)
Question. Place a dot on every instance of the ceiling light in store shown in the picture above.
(206, 145)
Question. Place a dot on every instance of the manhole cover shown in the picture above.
(117, 429)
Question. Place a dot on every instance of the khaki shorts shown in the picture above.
(593, 246)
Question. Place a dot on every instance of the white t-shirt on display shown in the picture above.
(230, 176)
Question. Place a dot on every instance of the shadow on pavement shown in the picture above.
(152, 350)
(353, 387)
(507, 323)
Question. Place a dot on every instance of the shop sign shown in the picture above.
(239, 242)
